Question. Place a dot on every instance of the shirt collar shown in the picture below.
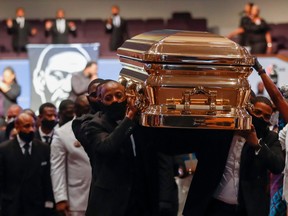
(21, 142)
(43, 134)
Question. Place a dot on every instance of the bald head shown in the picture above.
(25, 123)
(81, 105)
(20, 12)
(60, 14)
(115, 10)
(13, 111)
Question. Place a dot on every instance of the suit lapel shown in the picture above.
(20, 159)
(37, 135)
(18, 152)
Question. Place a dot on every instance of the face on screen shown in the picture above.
(53, 82)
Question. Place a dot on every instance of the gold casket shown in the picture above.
(186, 79)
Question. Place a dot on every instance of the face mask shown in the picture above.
(48, 124)
(116, 111)
(95, 106)
(26, 137)
(260, 126)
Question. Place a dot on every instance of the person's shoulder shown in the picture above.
(65, 127)
(80, 120)
(15, 85)
(39, 143)
(6, 144)
(96, 118)
(270, 137)
(80, 124)
(77, 74)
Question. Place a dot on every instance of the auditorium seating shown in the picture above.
(93, 30)
(182, 15)
(135, 26)
(154, 24)
(5, 42)
(279, 33)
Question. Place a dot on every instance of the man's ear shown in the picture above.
(16, 127)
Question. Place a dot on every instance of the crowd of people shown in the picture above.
(253, 31)
(59, 29)
(91, 157)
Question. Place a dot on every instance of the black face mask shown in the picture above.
(48, 124)
(26, 137)
(95, 106)
(116, 111)
(260, 126)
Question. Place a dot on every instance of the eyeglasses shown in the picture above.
(259, 113)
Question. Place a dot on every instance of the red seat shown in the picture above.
(154, 24)
(135, 27)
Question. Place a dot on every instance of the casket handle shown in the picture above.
(186, 98)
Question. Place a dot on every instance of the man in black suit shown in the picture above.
(60, 28)
(123, 163)
(117, 27)
(233, 180)
(47, 119)
(94, 107)
(20, 29)
(25, 184)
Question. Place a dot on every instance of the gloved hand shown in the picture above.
(258, 67)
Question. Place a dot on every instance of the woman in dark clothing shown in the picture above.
(258, 33)
(9, 90)
(255, 32)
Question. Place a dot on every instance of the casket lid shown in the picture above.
(184, 47)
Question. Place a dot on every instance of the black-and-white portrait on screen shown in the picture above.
(52, 73)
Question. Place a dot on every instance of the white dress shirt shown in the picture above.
(22, 143)
(42, 134)
(61, 25)
(227, 190)
(283, 138)
(20, 21)
(116, 20)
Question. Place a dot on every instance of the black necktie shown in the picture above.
(47, 139)
(26, 150)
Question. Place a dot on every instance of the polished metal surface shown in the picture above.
(187, 79)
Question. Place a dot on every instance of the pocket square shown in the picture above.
(43, 163)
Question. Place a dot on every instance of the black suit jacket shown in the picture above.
(57, 37)
(22, 183)
(20, 36)
(254, 174)
(212, 148)
(39, 138)
(118, 35)
(119, 178)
